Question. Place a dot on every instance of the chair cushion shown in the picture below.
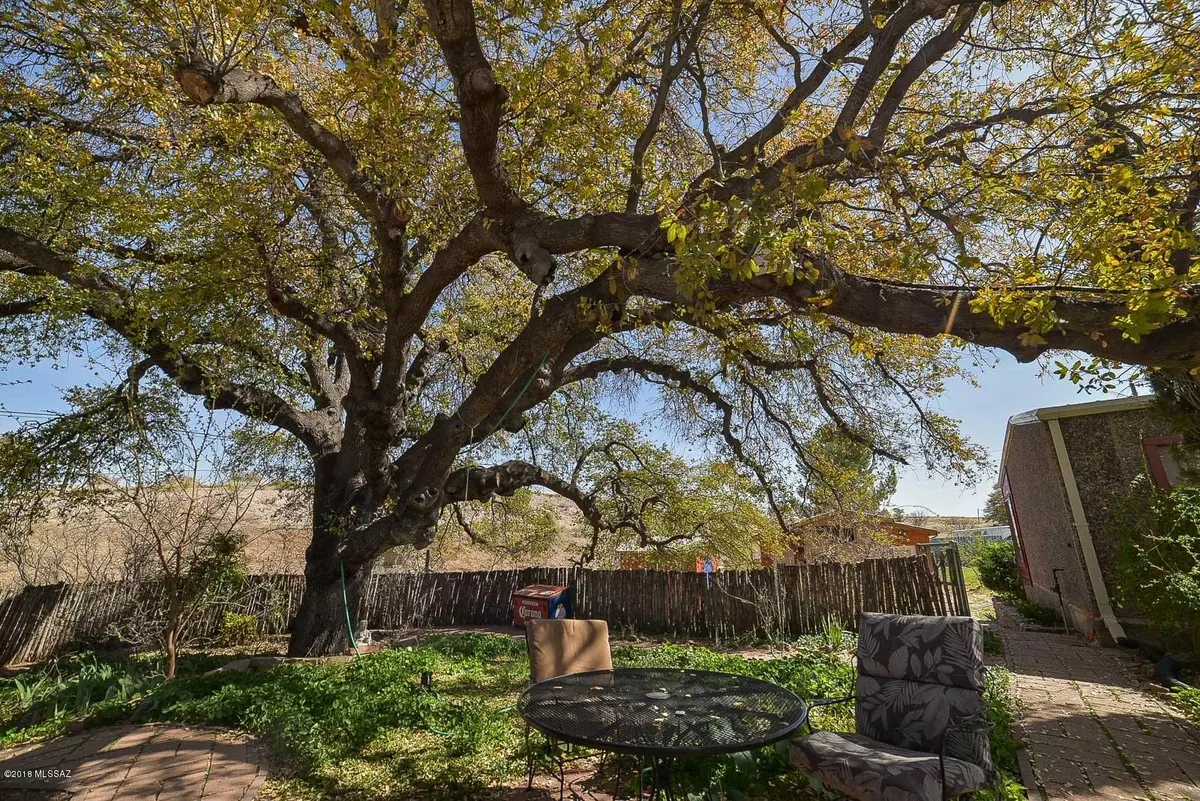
(559, 647)
(869, 770)
(909, 714)
(935, 650)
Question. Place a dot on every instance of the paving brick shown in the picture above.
(1075, 701)
(142, 763)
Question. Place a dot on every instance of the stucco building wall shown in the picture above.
(1045, 527)
(1107, 455)
(1103, 441)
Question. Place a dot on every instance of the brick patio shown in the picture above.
(141, 763)
(1091, 728)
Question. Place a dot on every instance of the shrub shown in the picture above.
(1035, 612)
(997, 567)
(238, 629)
(38, 702)
(1188, 699)
(1158, 563)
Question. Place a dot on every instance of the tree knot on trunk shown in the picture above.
(425, 501)
(203, 83)
(481, 82)
(196, 85)
(532, 259)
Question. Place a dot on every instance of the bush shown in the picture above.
(997, 566)
(238, 629)
(1036, 613)
(1158, 564)
(1188, 699)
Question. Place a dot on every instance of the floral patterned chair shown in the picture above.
(920, 718)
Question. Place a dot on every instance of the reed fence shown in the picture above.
(42, 621)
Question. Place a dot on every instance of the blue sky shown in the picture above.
(1005, 389)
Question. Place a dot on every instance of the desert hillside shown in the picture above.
(76, 547)
(97, 545)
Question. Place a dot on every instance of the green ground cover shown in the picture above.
(368, 730)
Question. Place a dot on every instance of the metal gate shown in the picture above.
(947, 569)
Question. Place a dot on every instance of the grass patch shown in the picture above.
(971, 579)
(368, 730)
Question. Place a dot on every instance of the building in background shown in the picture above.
(685, 554)
(984, 533)
(850, 537)
(1063, 472)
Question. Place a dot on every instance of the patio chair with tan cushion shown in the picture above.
(920, 718)
(558, 648)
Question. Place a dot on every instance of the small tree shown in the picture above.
(846, 474)
(997, 566)
(179, 504)
(162, 488)
(996, 510)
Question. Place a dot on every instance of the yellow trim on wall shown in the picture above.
(1086, 547)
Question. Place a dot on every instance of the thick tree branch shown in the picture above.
(112, 305)
(473, 241)
(930, 53)
(1086, 318)
(294, 308)
(17, 308)
(202, 84)
(480, 98)
(751, 148)
(841, 143)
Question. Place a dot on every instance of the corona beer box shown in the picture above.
(540, 602)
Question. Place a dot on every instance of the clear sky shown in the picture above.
(1004, 390)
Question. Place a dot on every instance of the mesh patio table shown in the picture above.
(663, 714)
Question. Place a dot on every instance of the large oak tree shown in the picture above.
(426, 240)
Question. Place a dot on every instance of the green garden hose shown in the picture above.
(346, 604)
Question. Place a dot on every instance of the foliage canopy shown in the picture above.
(436, 242)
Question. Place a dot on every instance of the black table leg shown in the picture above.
(661, 775)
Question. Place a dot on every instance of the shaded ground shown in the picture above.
(1092, 729)
(142, 763)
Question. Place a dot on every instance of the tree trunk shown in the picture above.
(172, 648)
(320, 626)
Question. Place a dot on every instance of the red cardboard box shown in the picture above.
(540, 602)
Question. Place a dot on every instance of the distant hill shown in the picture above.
(75, 548)
(93, 547)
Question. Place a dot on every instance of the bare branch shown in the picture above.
(648, 369)
(669, 70)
